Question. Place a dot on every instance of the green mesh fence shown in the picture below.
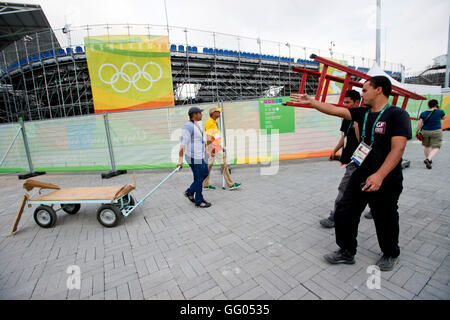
(149, 139)
(70, 144)
(314, 133)
(16, 160)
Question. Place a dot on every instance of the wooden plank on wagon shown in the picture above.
(80, 194)
(19, 213)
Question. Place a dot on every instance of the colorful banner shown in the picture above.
(273, 115)
(335, 87)
(445, 105)
(129, 72)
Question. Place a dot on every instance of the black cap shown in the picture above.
(194, 110)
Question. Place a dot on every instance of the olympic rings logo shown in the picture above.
(120, 74)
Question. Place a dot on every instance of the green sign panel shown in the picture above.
(273, 115)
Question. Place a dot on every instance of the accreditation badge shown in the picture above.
(361, 153)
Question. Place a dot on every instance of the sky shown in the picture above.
(413, 31)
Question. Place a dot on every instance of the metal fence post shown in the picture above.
(114, 172)
(108, 140)
(27, 151)
(27, 148)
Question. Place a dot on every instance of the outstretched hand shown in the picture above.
(300, 98)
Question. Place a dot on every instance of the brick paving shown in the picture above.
(262, 241)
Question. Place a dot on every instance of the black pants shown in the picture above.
(384, 208)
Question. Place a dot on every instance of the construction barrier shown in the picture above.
(149, 139)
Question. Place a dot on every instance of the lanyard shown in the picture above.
(349, 128)
(198, 127)
(372, 139)
(203, 142)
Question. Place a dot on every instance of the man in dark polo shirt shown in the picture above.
(348, 142)
(378, 180)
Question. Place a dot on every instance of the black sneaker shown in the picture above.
(387, 263)
(340, 256)
(427, 163)
(203, 204)
(327, 223)
(190, 197)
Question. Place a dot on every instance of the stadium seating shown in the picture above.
(48, 54)
(249, 55)
(60, 52)
(191, 49)
(365, 70)
(33, 58)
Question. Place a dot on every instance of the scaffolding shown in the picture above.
(45, 76)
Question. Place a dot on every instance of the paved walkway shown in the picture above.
(260, 242)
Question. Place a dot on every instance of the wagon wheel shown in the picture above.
(71, 208)
(45, 216)
(108, 215)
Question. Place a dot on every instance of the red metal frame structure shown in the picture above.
(325, 79)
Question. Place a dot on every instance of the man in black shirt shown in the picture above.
(348, 142)
(378, 180)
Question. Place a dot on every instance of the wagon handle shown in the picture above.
(128, 212)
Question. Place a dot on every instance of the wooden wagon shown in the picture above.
(115, 201)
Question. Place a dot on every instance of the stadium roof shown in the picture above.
(18, 20)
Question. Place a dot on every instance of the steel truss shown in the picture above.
(60, 87)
